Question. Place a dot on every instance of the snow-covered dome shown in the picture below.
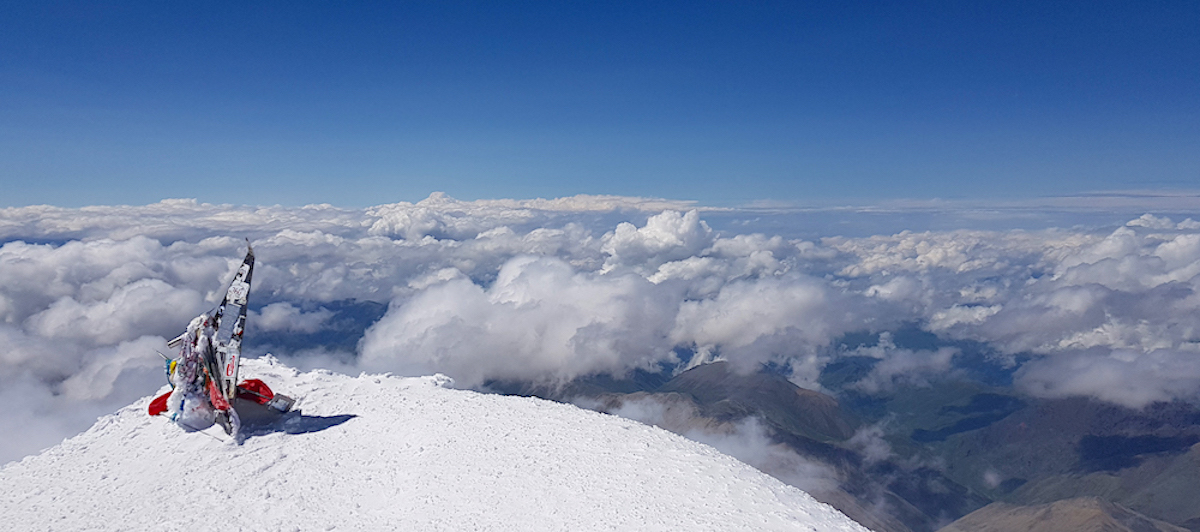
(378, 452)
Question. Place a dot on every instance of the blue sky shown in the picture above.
(362, 103)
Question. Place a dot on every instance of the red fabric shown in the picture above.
(255, 390)
(250, 390)
(215, 397)
(159, 404)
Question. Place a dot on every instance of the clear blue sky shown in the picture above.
(361, 103)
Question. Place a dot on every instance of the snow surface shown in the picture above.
(378, 452)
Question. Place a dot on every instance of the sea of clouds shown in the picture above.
(549, 290)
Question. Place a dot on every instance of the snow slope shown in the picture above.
(377, 452)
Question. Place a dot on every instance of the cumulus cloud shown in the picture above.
(554, 289)
(666, 237)
(287, 317)
(868, 441)
(1098, 308)
(540, 319)
(146, 305)
(54, 389)
(1127, 377)
(899, 366)
(754, 322)
(750, 443)
(1151, 221)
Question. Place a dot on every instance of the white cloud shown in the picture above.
(143, 306)
(750, 443)
(746, 439)
(868, 440)
(54, 389)
(539, 319)
(778, 318)
(551, 289)
(908, 367)
(118, 374)
(666, 237)
(287, 317)
(1130, 378)
(943, 320)
(1151, 221)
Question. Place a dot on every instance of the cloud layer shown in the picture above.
(549, 290)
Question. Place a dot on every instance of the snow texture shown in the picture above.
(382, 452)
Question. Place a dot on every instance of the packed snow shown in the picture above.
(382, 452)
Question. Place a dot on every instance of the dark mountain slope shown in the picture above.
(726, 394)
(1089, 514)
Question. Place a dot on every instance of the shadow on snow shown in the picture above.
(290, 423)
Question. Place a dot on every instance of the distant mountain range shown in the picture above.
(957, 445)
(914, 456)
(1085, 514)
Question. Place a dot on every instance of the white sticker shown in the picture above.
(238, 291)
